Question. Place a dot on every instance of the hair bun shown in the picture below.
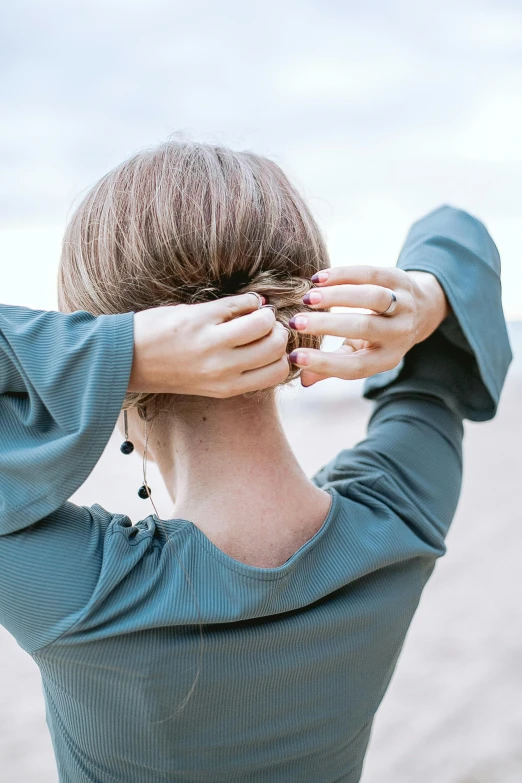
(286, 295)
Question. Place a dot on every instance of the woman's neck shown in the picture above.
(230, 470)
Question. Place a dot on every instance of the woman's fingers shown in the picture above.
(358, 326)
(344, 363)
(261, 378)
(246, 328)
(226, 308)
(386, 276)
(371, 297)
(386, 339)
(261, 353)
(308, 378)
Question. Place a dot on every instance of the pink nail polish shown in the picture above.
(298, 357)
(298, 322)
(320, 277)
(312, 298)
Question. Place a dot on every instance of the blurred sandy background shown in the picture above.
(379, 111)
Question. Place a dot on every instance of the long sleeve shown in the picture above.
(63, 378)
(411, 459)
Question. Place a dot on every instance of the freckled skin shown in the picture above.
(195, 461)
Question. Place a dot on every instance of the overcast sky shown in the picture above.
(379, 111)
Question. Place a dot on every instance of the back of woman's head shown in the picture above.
(186, 223)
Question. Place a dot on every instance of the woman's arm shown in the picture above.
(63, 379)
(62, 383)
(411, 459)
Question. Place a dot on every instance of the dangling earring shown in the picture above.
(145, 491)
(126, 447)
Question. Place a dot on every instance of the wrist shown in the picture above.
(148, 363)
(433, 306)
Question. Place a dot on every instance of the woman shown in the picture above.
(252, 636)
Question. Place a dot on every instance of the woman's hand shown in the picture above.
(216, 349)
(373, 343)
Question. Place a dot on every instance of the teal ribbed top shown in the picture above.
(294, 660)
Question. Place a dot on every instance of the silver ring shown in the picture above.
(258, 298)
(393, 304)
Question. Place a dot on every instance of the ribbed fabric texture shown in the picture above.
(293, 661)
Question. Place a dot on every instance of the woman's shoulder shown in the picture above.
(53, 569)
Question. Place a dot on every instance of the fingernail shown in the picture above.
(258, 297)
(312, 297)
(298, 357)
(264, 300)
(320, 277)
(298, 322)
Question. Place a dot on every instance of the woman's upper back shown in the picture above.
(285, 666)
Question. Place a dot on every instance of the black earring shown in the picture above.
(126, 447)
(145, 491)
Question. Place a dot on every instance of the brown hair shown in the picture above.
(184, 223)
